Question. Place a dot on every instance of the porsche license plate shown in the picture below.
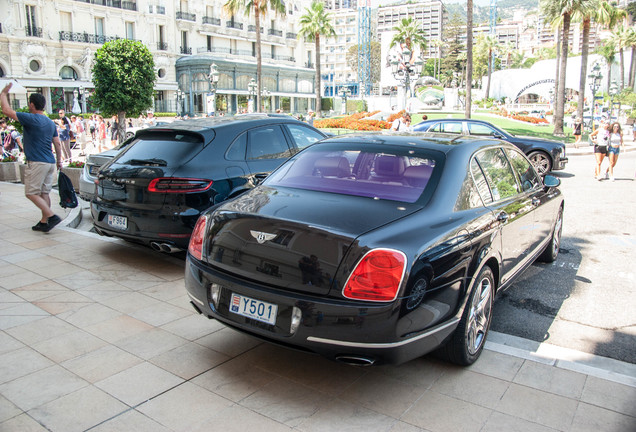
(119, 222)
(256, 309)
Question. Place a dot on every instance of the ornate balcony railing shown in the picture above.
(275, 32)
(162, 46)
(211, 20)
(186, 50)
(285, 58)
(252, 28)
(219, 50)
(128, 5)
(86, 37)
(234, 24)
(290, 35)
(186, 16)
(33, 31)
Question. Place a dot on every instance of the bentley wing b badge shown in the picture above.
(262, 237)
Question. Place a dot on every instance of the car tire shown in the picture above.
(551, 251)
(541, 161)
(467, 343)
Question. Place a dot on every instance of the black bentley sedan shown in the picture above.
(376, 249)
(546, 155)
(153, 191)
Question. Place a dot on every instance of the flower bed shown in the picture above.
(520, 116)
(356, 121)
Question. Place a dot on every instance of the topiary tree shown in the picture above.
(124, 78)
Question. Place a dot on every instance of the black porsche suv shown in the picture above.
(154, 190)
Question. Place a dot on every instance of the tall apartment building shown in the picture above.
(431, 16)
(49, 47)
(547, 36)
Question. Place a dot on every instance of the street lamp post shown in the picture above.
(613, 91)
(595, 78)
(180, 98)
(404, 71)
(213, 77)
(251, 88)
(344, 93)
(265, 96)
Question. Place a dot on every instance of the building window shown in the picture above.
(209, 43)
(161, 73)
(99, 27)
(66, 21)
(34, 65)
(68, 73)
(130, 30)
(30, 17)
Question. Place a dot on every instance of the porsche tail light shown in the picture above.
(178, 185)
(196, 240)
(377, 277)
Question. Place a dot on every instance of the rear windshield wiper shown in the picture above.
(151, 162)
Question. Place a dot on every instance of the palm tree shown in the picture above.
(620, 39)
(469, 57)
(631, 41)
(491, 44)
(410, 34)
(554, 10)
(437, 43)
(315, 23)
(259, 8)
(585, 14)
(608, 52)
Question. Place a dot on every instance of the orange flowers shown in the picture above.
(356, 121)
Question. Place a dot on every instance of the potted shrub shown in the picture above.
(74, 171)
(9, 169)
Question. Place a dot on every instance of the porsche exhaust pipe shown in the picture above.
(355, 360)
(155, 246)
(168, 248)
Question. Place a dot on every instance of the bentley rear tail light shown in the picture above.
(196, 240)
(178, 185)
(377, 277)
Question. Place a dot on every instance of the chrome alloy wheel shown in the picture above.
(479, 315)
(541, 162)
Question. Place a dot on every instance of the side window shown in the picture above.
(480, 129)
(452, 127)
(267, 142)
(528, 178)
(480, 182)
(303, 136)
(499, 174)
(237, 149)
(437, 127)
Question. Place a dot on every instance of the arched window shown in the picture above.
(1, 72)
(68, 73)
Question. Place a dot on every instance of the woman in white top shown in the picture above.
(614, 148)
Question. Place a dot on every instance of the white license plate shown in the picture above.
(119, 222)
(256, 309)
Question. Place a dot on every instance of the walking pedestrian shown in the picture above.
(578, 129)
(114, 133)
(65, 135)
(600, 137)
(39, 132)
(614, 148)
(101, 133)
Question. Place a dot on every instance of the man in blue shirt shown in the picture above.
(39, 132)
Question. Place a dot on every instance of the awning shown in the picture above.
(15, 88)
(166, 86)
(55, 83)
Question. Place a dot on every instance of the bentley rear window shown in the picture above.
(379, 172)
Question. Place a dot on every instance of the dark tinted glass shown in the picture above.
(380, 172)
(267, 142)
(303, 136)
(237, 149)
(527, 176)
(499, 174)
(168, 149)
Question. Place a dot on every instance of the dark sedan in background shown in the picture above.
(154, 189)
(545, 155)
(376, 249)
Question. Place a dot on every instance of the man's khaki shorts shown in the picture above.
(38, 178)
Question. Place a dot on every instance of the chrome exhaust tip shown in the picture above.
(355, 360)
(168, 248)
(155, 246)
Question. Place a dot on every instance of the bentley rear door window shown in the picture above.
(480, 129)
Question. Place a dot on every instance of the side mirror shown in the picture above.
(551, 181)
